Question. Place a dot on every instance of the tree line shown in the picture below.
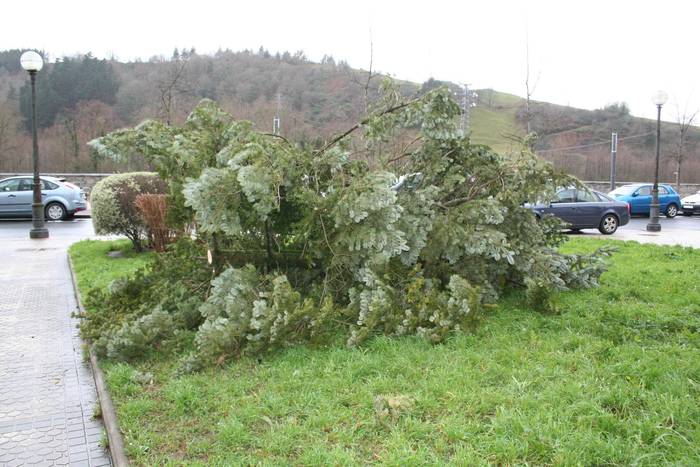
(83, 97)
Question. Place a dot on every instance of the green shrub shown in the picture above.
(113, 204)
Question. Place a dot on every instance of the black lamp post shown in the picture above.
(659, 99)
(32, 62)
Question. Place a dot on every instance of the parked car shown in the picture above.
(61, 199)
(586, 209)
(691, 204)
(638, 195)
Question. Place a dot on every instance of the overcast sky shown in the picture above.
(586, 53)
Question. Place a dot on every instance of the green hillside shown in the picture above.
(494, 120)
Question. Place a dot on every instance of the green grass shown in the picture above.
(496, 125)
(493, 127)
(612, 380)
(94, 268)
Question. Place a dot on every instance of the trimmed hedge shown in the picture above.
(113, 202)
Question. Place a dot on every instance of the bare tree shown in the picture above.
(173, 84)
(71, 138)
(366, 84)
(684, 120)
(8, 133)
(529, 89)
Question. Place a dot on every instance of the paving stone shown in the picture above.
(78, 457)
(47, 393)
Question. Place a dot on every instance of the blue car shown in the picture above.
(638, 195)
(61, 199)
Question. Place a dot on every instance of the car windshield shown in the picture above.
(623, 190)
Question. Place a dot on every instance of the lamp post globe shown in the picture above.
(32, 63)
(659, 98)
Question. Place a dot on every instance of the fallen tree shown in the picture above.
(398, 226)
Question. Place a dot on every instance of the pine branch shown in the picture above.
(364, 122)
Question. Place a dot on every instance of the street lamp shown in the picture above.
(659, 99)
(32, 62)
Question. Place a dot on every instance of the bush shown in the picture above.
(154, 209)
(113, 202)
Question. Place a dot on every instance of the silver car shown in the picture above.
(61, 199)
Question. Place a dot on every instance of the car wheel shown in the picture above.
(55, 212)
(608, 225)
(671, 211)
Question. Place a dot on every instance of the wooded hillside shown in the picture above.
(80, 98)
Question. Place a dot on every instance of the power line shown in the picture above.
(468, 101)
(595, 144)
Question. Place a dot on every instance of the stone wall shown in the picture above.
(604, 186)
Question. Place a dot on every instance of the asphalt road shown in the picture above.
(680, 230)
(61, 233)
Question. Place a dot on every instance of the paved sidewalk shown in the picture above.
(47, 392)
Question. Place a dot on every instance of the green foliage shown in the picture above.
(418, 307)
(148, 306)
(304, 237)
(250, 314)
(136, 337)
(65, 83)
(113, 204)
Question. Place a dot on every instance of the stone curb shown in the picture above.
(109, 415)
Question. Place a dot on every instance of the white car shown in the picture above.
(691, 204)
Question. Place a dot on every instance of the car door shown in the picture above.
(664, 198)
(564, 206)
(25, 196)
(641, 203)
(589, 209)
(9, 190)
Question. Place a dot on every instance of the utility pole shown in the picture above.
(613, 160)
(468, 101)
(276, 122)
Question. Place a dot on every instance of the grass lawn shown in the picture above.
(93, 268)
(612, 380)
